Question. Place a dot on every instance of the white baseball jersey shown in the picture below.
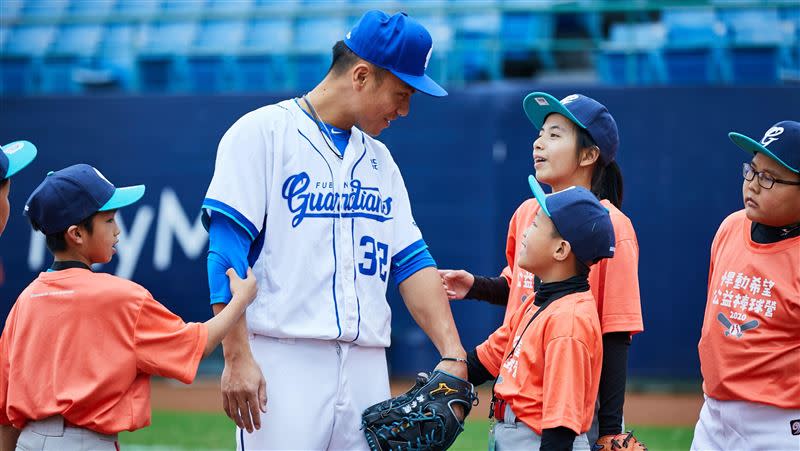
(331, 226)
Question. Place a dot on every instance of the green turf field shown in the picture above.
(211, 431)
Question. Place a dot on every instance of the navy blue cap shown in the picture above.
(585, 112)
(14, 157)
(69, 196)
(398, 44)
(781, 143)
(580, 219)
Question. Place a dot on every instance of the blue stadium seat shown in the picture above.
(115, 57)
(313, 40)
(20, 57)
(161, 56)
(72, 47)
(262, 63)
(756, 41)
(632, 54)
(525, 33)
(476, 52)
(209, 55)
(693, 53)
(10, 9)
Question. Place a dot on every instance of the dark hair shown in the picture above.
(344, 59)
(607, 177)
(4, 182)
(56, 241)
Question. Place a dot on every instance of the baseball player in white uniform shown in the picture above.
(304, 193)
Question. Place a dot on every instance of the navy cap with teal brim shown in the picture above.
(398, 44)
(69, 196)
(15, 157)
(781, 143)
(580, 219)
(585, 112)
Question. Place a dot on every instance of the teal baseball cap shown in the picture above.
(580, 219)
(583, 111)
(781, 143)
(69, 196)
(15, 157)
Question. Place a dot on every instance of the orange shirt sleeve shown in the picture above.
(566, 384)
(615, 281)
(165, 345)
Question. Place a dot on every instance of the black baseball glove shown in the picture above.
(421, 418)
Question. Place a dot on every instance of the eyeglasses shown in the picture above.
(765, 180)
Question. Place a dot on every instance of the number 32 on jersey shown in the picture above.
(376, 257)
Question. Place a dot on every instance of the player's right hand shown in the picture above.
(457, 282)
(244, 392)
(244, 288)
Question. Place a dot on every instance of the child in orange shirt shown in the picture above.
(547, 358)
(750, 342)
(79, 347)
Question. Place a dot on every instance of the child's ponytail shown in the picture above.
(607, 183)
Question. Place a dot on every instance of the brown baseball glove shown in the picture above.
(619, 441)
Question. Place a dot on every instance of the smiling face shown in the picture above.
(777, 206)
(381, 98)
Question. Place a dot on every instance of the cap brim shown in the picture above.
(123, 197)
(753, 146)
(539, 194)
(538, 105)
(20, 154)
(422, 83)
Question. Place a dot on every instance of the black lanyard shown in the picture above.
(68, 264)
(541, 309)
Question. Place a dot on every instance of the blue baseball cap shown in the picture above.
(14, 157)
(585, 112)
(398, 44)
(69, 196)
(781, 143)
(580, 219)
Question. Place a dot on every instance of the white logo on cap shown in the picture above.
(13, 148)
(102, 176)
(770, 135)
(569, 98)
(348, 35)
(541, 101)
(428, 58)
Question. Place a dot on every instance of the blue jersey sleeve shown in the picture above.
(410, 260)
(229, 245)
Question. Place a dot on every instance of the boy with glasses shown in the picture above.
(750, 343)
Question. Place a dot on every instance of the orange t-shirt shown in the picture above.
(614, 281)
(750, 344)
(552, 378)
(83, 345)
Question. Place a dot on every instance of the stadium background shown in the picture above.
(144, 89)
